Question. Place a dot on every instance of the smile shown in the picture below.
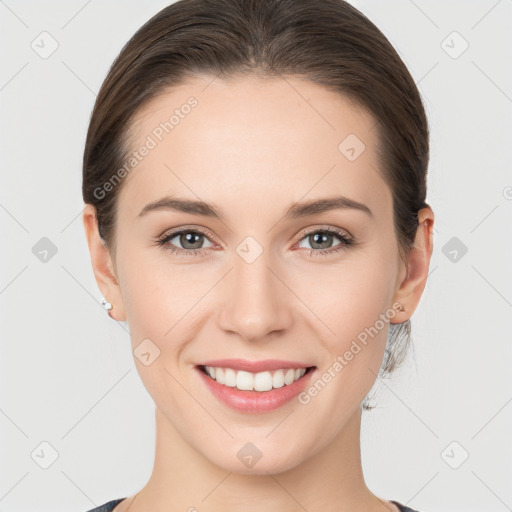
(261, 381)
(255, 392)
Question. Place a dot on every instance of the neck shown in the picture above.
(330, 480)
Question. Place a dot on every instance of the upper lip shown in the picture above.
(254, 366)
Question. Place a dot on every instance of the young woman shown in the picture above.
(255, 183)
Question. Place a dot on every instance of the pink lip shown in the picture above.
(255, 401)
(254, 366)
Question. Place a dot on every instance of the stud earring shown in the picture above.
(106, 305)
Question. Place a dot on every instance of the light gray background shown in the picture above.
(67, 375)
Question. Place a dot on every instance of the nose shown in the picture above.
(255, 301)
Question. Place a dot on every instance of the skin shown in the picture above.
(253, 146)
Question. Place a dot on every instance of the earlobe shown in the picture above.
(410, 288)
(103, 268)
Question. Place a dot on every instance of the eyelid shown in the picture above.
(325, 227)
(172, 233)
(186, 227)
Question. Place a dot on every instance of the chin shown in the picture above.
(250, 460)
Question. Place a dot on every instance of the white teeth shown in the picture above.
(244, 380)
(278, 379)
(219, 375)
(262, 381)
(230, 378)
(289, 376)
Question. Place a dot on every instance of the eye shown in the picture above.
(190, 240)
(321, 241)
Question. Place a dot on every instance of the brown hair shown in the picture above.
(328, 42)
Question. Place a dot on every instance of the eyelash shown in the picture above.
(346, 242)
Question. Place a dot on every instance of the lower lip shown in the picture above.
(256, 401)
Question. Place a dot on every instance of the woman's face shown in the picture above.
(257, 282)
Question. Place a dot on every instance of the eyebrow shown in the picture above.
(295, 211)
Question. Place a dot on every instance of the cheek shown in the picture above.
(163, 304)
(354, 301)
(157, 293)
(351, 297)
(159, 301)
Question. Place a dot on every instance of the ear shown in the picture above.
(413, 276)
(102, 265)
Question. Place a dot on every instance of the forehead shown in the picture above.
(280, 138)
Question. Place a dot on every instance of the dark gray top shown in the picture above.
(108, 507)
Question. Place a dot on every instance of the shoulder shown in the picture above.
(403, 508)
(107, 507)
